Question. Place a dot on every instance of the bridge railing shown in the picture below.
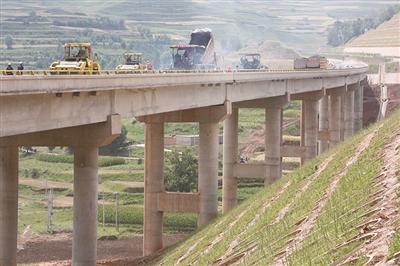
(144, 72)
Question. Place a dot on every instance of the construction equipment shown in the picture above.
(78, 59)
(198, 54)
(133, 63)
(315, 61)
(250, 61)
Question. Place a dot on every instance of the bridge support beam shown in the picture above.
(348, 112)
(310, 128)
(358, 108)
(208, 172)
(309, 122)
(8, 204)
(230, 156)
(335, 114)
(323, 109)
(84, 247)
(273, 138)
(153, 185)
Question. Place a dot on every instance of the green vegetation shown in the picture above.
(181, 171)
(104, 161)
(133, 215)
(119, 146)
(344, 210)
(343, 31)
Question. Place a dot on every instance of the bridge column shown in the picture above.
(84, 247)
(208, 172)
(323, 123)
(153, 184)
(8, 204)
(358, 108)
(348, 112)
(310, 127)
(334, 118)
(230, 156)
(273, 138)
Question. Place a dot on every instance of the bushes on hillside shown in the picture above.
(343, 31)
(134, 215)
(104, 23)
(104, 161)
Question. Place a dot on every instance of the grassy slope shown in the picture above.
(333, 226)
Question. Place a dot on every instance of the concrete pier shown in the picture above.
(348, 112)
(334, 119)
(310, 128)
(84, 247)
(153, 185)
(323, 110)
(8, 205)
(208, 172)
(273, 142)
(358, 108)
(230, 157)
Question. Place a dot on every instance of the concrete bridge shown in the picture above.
(85, 112)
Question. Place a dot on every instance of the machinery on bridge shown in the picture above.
(78, 59)
(133, 63)
(250, 61)
(315, 61)
(198, 54)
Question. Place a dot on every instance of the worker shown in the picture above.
(149, 66)
(9, 69)
(20, 68)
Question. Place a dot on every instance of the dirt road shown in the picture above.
(57, 249)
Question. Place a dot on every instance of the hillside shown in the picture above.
(340, 208)
(38, 28)
(386, 35)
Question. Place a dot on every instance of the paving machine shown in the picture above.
(78, 59)
(250, 61)
(198, 54)
(133, 63)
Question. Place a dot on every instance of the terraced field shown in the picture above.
(37, 34)
(341, 208)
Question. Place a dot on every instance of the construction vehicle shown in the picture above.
(133, 63)
(78, 59)
(250, 61)
(198, 54)
(315, 61)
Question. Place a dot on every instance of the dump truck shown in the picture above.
(133, 63)
(250, 61)
(197, 54)
(315, 61)
(78, 59)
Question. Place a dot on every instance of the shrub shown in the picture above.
(103, 161)
(181, 172)
(129, 214)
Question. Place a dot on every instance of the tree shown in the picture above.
(181, 171)
(119, 147)
(9, 42)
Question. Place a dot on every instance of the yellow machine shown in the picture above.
(78, 59)
(133, 62)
